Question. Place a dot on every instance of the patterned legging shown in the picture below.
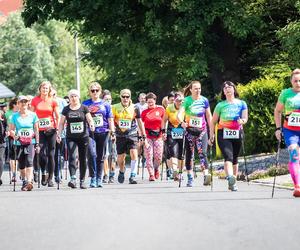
(200, 142)
(153, 154)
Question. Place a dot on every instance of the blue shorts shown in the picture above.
(291, 137)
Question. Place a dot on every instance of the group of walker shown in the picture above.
(88, 130)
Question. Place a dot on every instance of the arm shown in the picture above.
(180, 117)
(208, 115)
(244, 118)
(90, 121)
(212, 125)
(36, 132)
(277, 117)
(61, 127)
(56, 115)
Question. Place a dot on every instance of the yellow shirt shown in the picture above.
(124, 117)
(172, 112)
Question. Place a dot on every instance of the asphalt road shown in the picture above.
(155, 215)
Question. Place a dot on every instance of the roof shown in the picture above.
(7, 6)
(5, 92)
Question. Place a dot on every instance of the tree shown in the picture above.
(162, 43)
(25, 60)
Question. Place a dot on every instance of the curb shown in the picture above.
(268, 184)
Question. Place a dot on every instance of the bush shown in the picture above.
(281, 170)
(261, 96)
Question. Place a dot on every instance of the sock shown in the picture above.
(189, 176)
(205, 171)
(133, 165)
(111, 174)
(294, 169)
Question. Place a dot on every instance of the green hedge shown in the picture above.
(261, 96)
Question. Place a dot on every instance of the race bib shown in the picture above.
(231, 133)
(125, 124)
(195, 122)
(25, 133)
(177, 133)
(98, 121)
(76, 127)
(44, 122)
(294, 119)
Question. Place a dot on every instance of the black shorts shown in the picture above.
(175, 147)
(25, 155)
(126, 143)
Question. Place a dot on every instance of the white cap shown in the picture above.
(73, 92)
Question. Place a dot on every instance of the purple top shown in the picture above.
(100, 112)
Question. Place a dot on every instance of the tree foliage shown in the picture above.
(44, 51)
(25, 60)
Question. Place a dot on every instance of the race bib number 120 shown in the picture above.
(231, 133)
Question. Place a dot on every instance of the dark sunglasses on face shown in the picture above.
(94, 90)
(125, 96)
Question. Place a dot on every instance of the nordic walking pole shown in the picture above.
(245, 163)
(8, 156)
(211, 166)
(38, 167)
(66, 158)
(143, 162)
(276, 165)
(182, 160)
(58, 165)
(15, 170)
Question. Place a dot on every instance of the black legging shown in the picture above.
(47, 144)
(97, 150)
(82, 144)
(230, 148)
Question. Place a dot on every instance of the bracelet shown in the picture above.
(279, 128)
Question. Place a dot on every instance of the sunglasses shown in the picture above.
(94, 90)
(125, 96)
(24, 101)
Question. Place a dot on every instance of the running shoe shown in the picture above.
(58, 180)
(50, 183)
(93, 182)
(156, 173)
(190, 182)
(1, 182)
(231, 182)
(132, 180)
(99, 183)
(207, 180)
(169, 173)
(44, 180)
(35, 176)
(24, 186)
(82, 184)
(72, 183)
(29, 186)
(175, 176)
(111, 179)
(121, 177)
(105, 179)
(297, 191)
(151, 178)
